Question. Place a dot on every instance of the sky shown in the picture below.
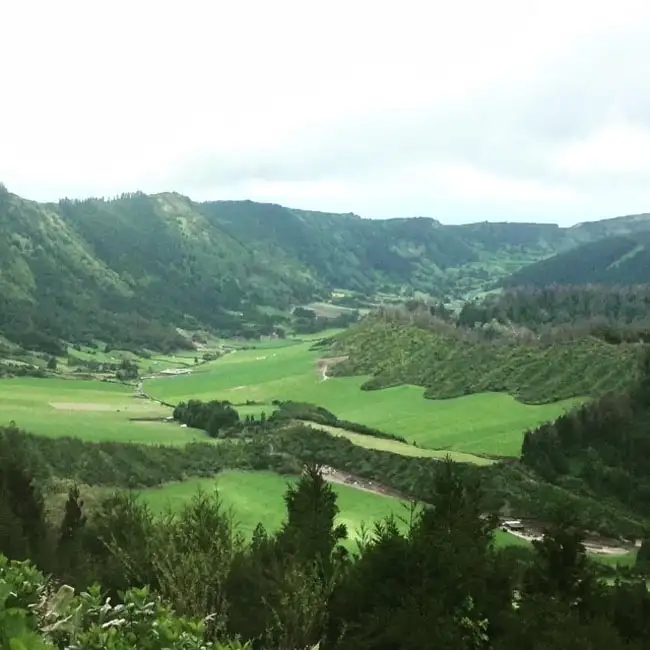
(462, 110)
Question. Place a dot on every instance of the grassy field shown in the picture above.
(487, 423)
(397, 447)
(92, 410)
(258, 497)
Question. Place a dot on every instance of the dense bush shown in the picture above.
(214, 417)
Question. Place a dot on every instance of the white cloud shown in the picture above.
(464, 110)
(616, 149)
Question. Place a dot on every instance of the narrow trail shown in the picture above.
(325, 364)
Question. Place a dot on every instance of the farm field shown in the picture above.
(92, 410)
(257, 497)
(487, 423)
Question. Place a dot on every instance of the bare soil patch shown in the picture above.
(81, 406)
(330, 362)
(332, 475)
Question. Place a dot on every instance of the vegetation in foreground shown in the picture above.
(440, 582)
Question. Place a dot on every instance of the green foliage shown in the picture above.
(614, 314)
(127, 370)
(437, 580)
(118, 464)
(34, 618)
(613, 260)
(127, 271)
(643, 557)
(451, 362)
(214, 417)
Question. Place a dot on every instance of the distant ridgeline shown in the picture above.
(132, 270)
(398, 347)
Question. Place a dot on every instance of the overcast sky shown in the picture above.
(463, 110)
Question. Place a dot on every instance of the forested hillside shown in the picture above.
(613, 313)
(130, 270)
(604, 444)
(397, 347)
(614, 260)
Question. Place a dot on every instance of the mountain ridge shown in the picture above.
(131, 269)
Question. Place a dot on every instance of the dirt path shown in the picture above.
(325, 364)
(338, 477)
(594, 546)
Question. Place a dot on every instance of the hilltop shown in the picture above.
(450, 361)
(132, 270)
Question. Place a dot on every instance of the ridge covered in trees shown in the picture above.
(613, 313)
(623, 259)
(130, 270)
(604, 444)
(449, 360)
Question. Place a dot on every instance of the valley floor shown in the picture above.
(473, 429)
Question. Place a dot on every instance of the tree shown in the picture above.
(70, 551)
(310, 531)
(643, 556)
(561, 569)
(52, 363)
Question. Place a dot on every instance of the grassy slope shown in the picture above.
(487, 424)
(397, 447)
(396, 352)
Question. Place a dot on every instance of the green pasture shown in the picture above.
(92, 410)
(487, 423)
(257, 497)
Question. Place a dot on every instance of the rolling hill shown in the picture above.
(130, 270)
(615, 260)
(453, 361)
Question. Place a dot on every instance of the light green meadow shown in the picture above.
(92, 410)
(487, 423)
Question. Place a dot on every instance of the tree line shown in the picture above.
(435, 579)
(616, 314)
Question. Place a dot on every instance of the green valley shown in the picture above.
(483, 423)
(232, 404)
